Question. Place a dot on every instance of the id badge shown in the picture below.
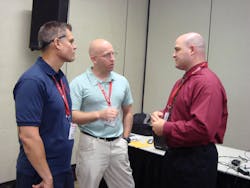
(166, 115)
(110, 123)
(72, 131)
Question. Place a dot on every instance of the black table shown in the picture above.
(148, 172)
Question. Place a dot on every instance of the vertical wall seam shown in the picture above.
(209, 30)
(125, 42)
(145, 58)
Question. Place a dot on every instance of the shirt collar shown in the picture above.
(94, 80)
(48, 69)
(195, 68)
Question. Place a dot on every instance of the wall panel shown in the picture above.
(229, 58)
(168, 19)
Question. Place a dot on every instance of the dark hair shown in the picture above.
(51, 30)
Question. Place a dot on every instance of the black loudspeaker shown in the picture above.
(44, 11)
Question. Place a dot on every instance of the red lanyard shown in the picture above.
(107, 98)
(62, 92)
(178, 87)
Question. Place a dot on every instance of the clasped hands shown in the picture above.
(157, 122)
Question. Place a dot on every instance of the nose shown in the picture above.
(112, 57)
(74, 46)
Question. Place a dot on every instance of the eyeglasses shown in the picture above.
(44, 44)
(109, 55)
(57, 38)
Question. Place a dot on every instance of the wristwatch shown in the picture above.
(127, 139)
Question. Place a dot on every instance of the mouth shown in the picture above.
(111, 66)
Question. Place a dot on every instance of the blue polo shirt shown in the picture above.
(39, 103)
(87, 96)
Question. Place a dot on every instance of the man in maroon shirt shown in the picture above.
(194, 119)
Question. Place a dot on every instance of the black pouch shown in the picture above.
(160, 142)
(141, 124)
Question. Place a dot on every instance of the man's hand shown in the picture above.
(44, 184)
(157, 114)
(157, 122)
(108, 114)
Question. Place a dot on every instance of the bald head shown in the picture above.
(98, 46)
(189, 50)
(194, 39)
(101, 53)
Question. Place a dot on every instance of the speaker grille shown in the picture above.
(44, 11)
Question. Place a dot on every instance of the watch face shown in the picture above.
(127, 139)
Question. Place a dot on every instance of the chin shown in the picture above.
(179, 67)
(71, 59)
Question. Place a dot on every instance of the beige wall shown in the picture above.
(90, 19)
(229, 58)
(225, 26)
(15, 57)
(123, 22)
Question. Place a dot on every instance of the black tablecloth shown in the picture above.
(148, 172)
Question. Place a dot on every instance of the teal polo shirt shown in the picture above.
(87, 96)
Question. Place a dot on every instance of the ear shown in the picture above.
(93, 58)
(192, 49)
(57, 43)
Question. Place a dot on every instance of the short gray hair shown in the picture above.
(51, 30)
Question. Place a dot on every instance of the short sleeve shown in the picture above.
(76, 96)
(29, 102)
(128, 95)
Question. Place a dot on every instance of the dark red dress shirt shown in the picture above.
(199, 113)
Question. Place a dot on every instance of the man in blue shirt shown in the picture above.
(43, 113)
(102, 107)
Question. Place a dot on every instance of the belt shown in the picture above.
(106, 139)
